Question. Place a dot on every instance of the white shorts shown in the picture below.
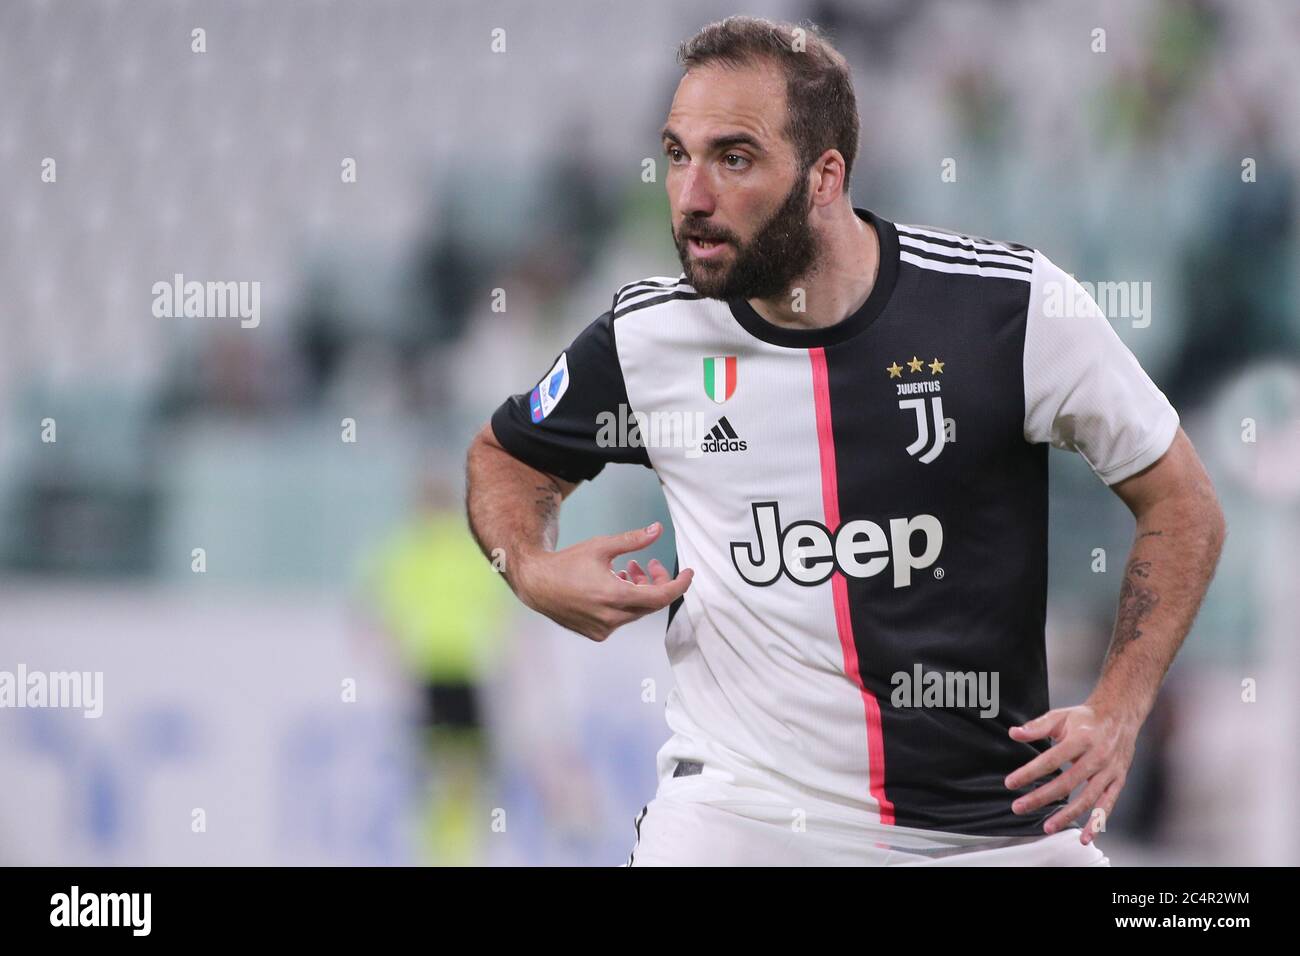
(704, 821)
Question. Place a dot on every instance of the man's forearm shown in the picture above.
(513, 509)
(1174, 554)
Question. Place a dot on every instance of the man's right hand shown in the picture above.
(578, 588)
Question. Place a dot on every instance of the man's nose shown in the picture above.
(695, 193)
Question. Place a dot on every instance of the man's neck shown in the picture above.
(838, 285)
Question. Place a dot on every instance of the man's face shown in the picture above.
(738, 198)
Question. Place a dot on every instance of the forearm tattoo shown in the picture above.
(1136, 601)
(548, 501)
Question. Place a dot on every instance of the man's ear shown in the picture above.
(827, 178)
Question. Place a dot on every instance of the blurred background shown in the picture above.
(253, 530)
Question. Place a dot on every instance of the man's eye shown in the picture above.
(674, 153)
(739, 161)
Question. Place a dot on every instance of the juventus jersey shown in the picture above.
(865, 508)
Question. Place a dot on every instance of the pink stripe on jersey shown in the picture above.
(840, 586)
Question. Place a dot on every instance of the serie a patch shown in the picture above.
(550, 389)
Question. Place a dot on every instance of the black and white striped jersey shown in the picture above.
(865, 508)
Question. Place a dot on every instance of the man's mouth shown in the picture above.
(705, 248)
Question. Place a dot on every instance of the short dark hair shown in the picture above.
(823, 112)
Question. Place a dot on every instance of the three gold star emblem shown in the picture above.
(915, 365)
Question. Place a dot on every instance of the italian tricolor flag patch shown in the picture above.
(720, 377)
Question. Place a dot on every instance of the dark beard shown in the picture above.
(781, 251)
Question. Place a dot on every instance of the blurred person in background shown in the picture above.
(442, 608)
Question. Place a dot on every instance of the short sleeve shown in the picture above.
(1084, 389)
(576, 419)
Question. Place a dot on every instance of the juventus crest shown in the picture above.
(927, 406)
(930, 435)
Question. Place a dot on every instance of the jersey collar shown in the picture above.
(846, 328)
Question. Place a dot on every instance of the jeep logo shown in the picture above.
(808, 553)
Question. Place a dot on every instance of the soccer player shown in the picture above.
(850, 419)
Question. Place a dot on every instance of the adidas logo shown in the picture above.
(722, 437)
